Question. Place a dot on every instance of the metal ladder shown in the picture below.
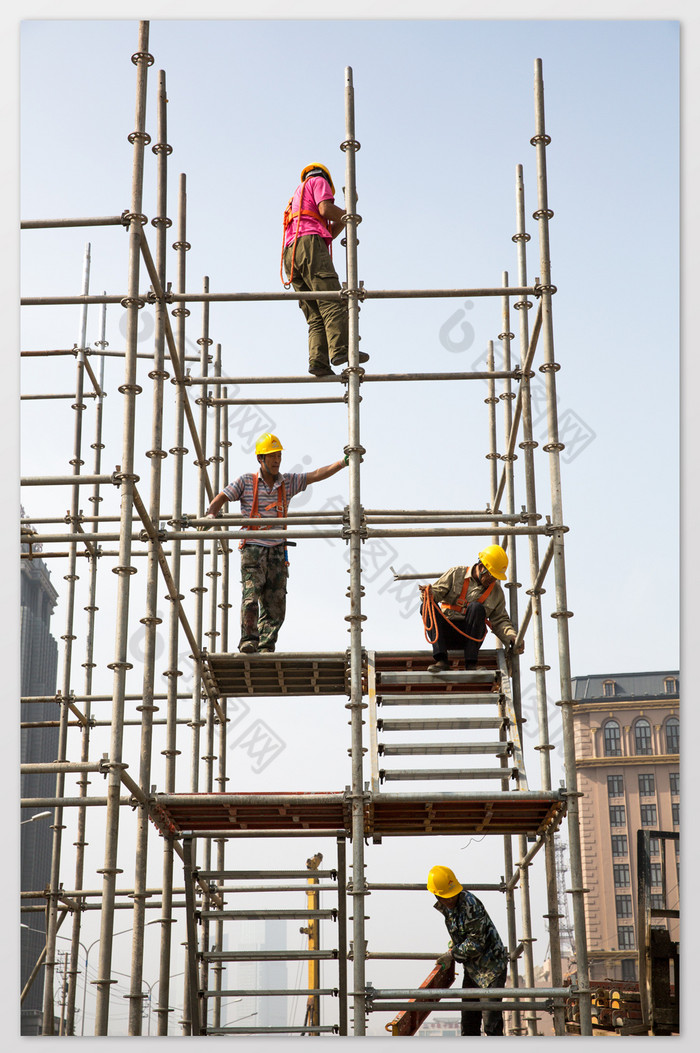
(401, 679)
(204, 886)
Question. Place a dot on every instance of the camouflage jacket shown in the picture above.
(474, 939)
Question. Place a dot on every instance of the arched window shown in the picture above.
(611, 739)
(673, 735)
(642, 737)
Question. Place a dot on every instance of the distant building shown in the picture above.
(38, 662)
(440, 1027)
(626, 735)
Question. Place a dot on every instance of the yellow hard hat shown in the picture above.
(305, 172)
(443, 883)
(268, 443)
(495, 560)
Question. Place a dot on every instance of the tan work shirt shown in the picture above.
(448, 588)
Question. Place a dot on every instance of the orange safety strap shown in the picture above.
(280, 502)
(431, 608)
(286, 220)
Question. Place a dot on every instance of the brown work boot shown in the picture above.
(320, 369)
(439, 667)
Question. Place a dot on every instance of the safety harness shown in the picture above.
(431, 608)
(280, 503)
(288, 217)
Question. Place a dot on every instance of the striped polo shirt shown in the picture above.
(242, 490)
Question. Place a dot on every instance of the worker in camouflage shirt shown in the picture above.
(474, 944)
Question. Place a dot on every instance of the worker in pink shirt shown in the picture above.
(312, 221)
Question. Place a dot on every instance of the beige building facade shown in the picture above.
(627, 741)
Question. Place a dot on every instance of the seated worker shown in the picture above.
(264, 567)
(474, 944)
(466, 599)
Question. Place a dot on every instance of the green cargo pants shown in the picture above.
(327, 320)
(264, 602)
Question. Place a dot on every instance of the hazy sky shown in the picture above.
(444, 113)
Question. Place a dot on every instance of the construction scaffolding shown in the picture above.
(188, 814)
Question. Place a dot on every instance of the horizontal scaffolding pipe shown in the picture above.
(253, 297)
(69, 395)
(303, 378)
(237, 875)
(106, 552)
(88, 351)
(155, 905)
(274, 402)
(96, 893)
(474, 795)
(298, 535)
(268, 956)
(420, 886)
(93, 698)
(262, 915)
(276, 800)
(244, 992)
(68, 480)
(100, 723)
(277, 888)
(54, 767)
(425, 994)
(69, 802)
(497, 1004)
(88, 221)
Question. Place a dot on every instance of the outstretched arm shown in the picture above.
(217, 504)
(325, 473)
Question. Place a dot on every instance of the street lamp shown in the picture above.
(33, 818)
(87, 955)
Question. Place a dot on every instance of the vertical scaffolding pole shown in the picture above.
(71, 577)
(561, 613)
(539, 668)
(124, 569)
(355, 451)
(83, 782)
(151, 620)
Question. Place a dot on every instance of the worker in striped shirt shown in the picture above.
(264, 567)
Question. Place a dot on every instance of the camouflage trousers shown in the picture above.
(264, 576)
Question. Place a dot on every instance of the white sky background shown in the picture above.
(444, 112)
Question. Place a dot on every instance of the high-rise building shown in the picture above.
(38, 661)
(626, 734)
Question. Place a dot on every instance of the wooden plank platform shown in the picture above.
(407, 814)
(272, 675)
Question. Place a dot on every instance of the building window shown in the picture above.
(675, 813)
(674, 780)
(654, 846)
(608, 688)
(611, 739)
(646, 786)
(672, 735)
(619, 844)
(671, 685)
(642, 738)
(656, 873)
(648, 813)
(623, 906)
(621, 875)
(629, 969)
(616, 786)
(658, 901)
(617, 815)
(625, 937)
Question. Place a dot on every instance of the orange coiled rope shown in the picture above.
(430, 611)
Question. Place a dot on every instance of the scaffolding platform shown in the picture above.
(527, 812)
(328, 673)
(271, 675)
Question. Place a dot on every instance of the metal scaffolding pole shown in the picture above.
(68, 637)
(561, 614)
(354, 450)
(86, 727)
(151, 620)
(124, 570)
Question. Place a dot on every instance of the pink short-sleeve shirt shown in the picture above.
(315, 190)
